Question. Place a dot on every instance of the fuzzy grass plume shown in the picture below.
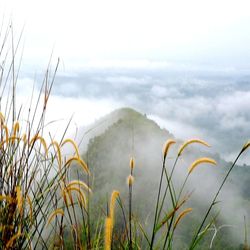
(109, 221)
(191, 141)
(31, 173)
(200, 161)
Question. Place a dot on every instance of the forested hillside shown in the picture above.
(133, 135)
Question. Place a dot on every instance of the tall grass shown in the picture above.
(36, 195)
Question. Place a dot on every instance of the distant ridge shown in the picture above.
(102, 124)
(126, 133)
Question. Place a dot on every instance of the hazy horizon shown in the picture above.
(184, 64)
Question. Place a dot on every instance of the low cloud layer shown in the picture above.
(190, 101)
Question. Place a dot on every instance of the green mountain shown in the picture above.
(127, 134)
(132, 135)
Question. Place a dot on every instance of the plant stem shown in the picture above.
(193, 243)
(157, 204)
(130, 216)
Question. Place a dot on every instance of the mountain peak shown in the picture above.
(126, 111)
(134, 116)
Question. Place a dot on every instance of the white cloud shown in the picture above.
(179, 129)
(85, 112)
(127, 81)
(235, 104)
(159, 91)
(60, 109)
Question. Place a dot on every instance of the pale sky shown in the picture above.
(91, 30)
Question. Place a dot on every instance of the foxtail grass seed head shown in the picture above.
(167, 146)
(245, 147)
(80, 193)
(181, 215)
(2, 118)
(6, 133)
(80, 162)
(58, 211)
(185, 144)
(64, 195)
(19, 199)
(7, 198)
(130, 180)
(132, 163)
(72, 142)
(24, 138)
(200, 161)
(114, 197)
(79, 183)
(12, 139)
(108, 233)
(16, 128)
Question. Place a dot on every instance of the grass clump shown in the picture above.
(36, 195)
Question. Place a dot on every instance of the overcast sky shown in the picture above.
(184, 63)
(198, 31)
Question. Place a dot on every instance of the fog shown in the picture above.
(110, 167)
(184, 65)
(188, 101)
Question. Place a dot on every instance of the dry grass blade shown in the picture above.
(185, 144)
(30, 207)
(58, 152)
(64, 195)
(172, 213)
(181, 215)
(200, 161)
(24, 138)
